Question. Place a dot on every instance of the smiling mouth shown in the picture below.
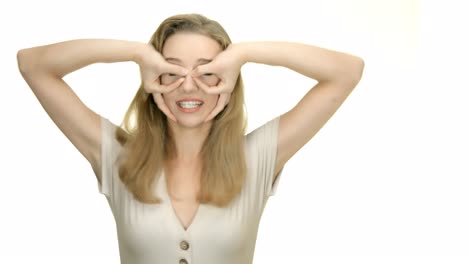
(189, 104)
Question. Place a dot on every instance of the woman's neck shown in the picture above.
(188, 142)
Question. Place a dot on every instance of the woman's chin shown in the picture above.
(192, 121)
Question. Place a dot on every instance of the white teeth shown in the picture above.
(189, 104)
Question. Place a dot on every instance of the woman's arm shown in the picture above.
(337, 74)
(317, 63)
(43, 68)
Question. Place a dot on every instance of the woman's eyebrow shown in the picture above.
(203, 61)
(173, 59)
(199, 61)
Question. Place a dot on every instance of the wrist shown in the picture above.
(139, 51)
(241, 51)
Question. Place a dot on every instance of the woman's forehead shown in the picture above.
(190, 48)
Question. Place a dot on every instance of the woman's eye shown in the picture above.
(169, 75)
(210, 79)
(209, 75)
(168, 78)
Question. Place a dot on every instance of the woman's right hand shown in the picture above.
(152, 67)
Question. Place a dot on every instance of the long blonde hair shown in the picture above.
(147, 142)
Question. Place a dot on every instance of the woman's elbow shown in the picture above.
(354, 70)
(24, 60)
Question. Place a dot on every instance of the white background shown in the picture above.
(384, 181)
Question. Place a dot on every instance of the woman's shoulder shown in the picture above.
(113, 136)
(267, 129)
(262, 139)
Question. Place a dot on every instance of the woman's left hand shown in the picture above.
(226, 66)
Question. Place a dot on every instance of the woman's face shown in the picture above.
(189, 103)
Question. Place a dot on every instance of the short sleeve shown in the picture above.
(110, 148)
(262, 150)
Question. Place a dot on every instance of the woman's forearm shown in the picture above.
(315, 62)
(62, 58)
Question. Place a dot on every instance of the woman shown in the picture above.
(184, 183)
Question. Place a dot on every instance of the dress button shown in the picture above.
(183, 261)
(184, 245)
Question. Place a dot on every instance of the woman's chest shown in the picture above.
(159, 230)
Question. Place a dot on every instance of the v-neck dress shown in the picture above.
(153, 234)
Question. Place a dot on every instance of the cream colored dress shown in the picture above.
(152, 234)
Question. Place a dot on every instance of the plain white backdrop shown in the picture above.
(384, 181)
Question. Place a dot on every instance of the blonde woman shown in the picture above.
(184, 182)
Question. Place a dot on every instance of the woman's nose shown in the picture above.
(189, 84)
